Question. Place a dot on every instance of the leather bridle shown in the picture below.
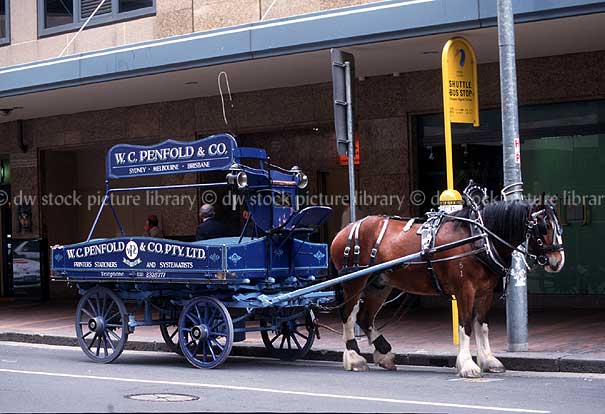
(537, 230)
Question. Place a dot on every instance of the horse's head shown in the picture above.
(545, 237)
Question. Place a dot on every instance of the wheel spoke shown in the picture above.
(283, 339)
(296, 341)
(174, 334)
(111, 331)
(219, 334)
(109, 309)
(110, 342)
(87, 313)
(105, 345)
(112, 317)
(103, 310)
(306, 338)
(114, 325)
(86, 334)
(289, 342)
(93, 341)
(192, 320)
(217, 343)
(98, 345)
(197, 311)
(275, 337)
(92, 307)
(98, 300)
(209, 346)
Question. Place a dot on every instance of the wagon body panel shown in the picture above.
(143, 259)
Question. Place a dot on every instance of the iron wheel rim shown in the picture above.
(290, 342)
(205, 332)
(101, 325)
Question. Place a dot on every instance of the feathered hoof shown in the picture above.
(468, 369)
(492, 365)
(352, 361)
(386, 361)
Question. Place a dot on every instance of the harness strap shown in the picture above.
(427, 242)
(347, 250)
(374, 251)
(357, 249)
(353, 238)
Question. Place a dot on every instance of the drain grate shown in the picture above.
(163, 397)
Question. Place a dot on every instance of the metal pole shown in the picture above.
(516, 298)
(351, 149)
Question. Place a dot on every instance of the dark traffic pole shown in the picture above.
(516, 298)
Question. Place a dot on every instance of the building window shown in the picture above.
(4, 20)
(58, 16)
(58, 12)
(130, 5)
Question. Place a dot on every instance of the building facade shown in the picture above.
(148, 70)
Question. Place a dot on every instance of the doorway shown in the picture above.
(562, 155)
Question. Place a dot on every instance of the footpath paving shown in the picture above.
(565, 340)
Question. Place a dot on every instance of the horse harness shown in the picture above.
(427, 231)
(483, 249)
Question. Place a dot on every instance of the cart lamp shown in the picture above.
(241, 180)
(237, 176)
(302, 180)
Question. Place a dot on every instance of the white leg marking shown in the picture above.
(351, 360)
(386, 361)
(485, 358)
(348, 328)
(464, 363)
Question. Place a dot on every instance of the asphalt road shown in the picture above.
(42, 378)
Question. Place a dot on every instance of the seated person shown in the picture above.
(152, 228)
(210, 227)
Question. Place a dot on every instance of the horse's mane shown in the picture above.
(505, 218)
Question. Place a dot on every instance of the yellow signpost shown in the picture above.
(461, 105)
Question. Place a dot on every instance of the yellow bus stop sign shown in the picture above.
(461, 105)
(459, 70)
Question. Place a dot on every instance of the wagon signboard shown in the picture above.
(171, 157)
(139, 257)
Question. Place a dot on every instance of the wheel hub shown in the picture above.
(199, 332)
(96, 324)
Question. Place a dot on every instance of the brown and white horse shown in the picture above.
(467, 277)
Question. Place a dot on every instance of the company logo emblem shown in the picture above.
(132, 251)
(462, 57)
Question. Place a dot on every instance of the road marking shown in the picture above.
(477, 379)
(276, 391)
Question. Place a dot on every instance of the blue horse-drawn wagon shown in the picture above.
(201, 294)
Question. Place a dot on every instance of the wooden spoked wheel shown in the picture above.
(205, 332)
(292, 339)
(101, 324)
(169, 330)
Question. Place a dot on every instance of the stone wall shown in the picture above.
(172, 18)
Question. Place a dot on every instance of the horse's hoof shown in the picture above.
(352, 361)
(469, 369)
(386, 361)
(492, 365)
